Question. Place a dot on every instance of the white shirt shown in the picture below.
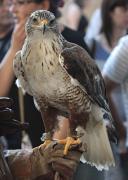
(94, 26)
(116, 69)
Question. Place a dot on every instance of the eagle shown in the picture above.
(64, 80)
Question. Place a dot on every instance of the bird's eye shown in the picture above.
(52, 21)
(34, 20)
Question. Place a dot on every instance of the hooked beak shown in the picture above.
(43, 24)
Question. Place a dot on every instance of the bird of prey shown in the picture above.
(63, 79)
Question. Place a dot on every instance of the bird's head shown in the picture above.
(42, 22)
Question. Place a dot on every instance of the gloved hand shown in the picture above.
(63, 166)
(7, 122)
(43, 163)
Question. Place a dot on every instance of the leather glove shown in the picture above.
(7, 122)
(63, 166)
(5, 173)
(43, 163)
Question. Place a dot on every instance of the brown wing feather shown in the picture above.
(82, 67)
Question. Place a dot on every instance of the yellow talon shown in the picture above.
(68, 141)
(46, 143)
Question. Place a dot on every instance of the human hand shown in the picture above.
(63, 166)
(7, 122)
(43, 163)
(18, 36)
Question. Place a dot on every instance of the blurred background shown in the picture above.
(96, 25)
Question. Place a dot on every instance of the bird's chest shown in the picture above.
(48, 79)
(44, 73)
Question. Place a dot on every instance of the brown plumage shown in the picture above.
(63, 79)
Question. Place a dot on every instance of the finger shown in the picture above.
(6, 114)
(21, 24)
(5, 102)
(19, 31)
(54, 148)
(52, 152)
(59, 177)
(12, 123)
(11, 126)
(72, 147)
(64, 170)
(64, 162)
(48, 176)
(18, 125)
(46, 150)
(72, 155)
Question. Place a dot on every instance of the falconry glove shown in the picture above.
(8, 124)
(63, 166)
(43, 163)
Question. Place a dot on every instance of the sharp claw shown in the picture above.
(68, 142)
(46, 143)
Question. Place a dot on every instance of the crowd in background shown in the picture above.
(103, 35)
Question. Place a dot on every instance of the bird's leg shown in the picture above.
(46, 138)
(73, 138)
(49, 116)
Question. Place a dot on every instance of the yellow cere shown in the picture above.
(44, 22)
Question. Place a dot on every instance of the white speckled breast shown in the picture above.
(47, 77)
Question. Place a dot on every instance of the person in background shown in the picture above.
(74, 16)
(115, 73)
(6, 27)
(114, 14)
(114, 17)
(94, 25)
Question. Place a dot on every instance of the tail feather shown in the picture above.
(99, 153)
